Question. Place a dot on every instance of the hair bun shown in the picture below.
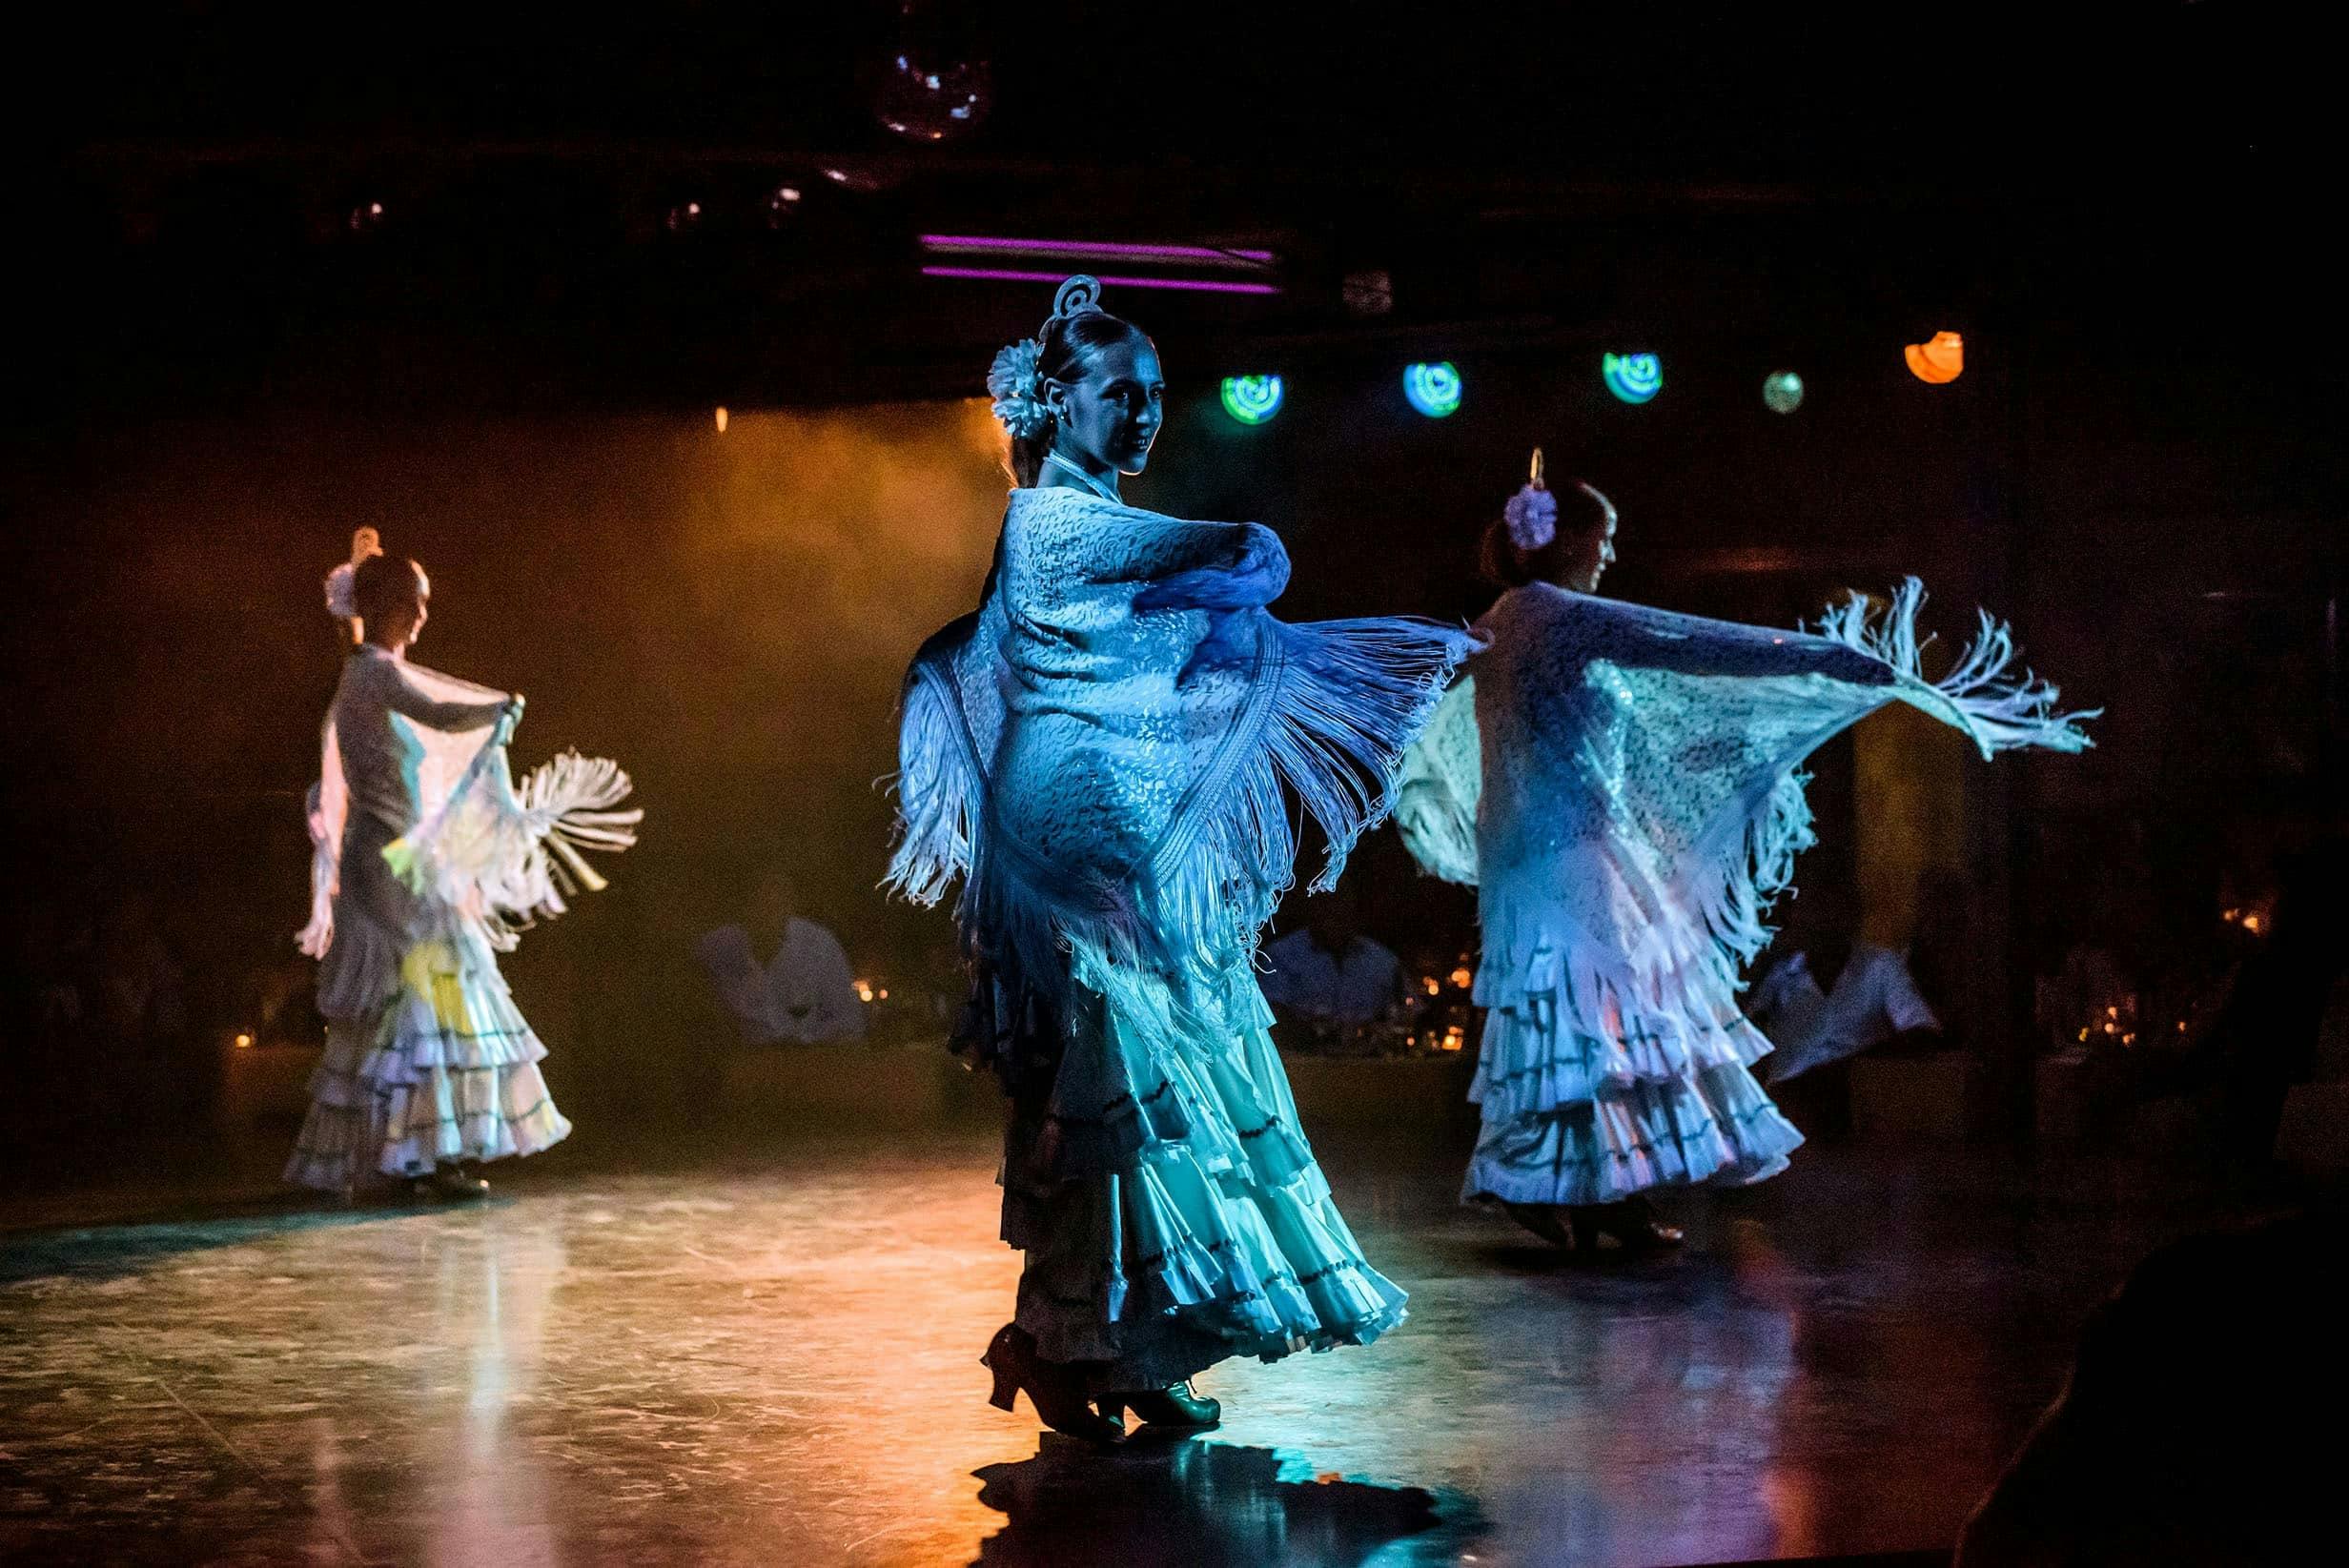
(1077, 297)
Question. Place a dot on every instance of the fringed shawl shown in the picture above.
(1623, 784)
(1107, 746)
(475, 843)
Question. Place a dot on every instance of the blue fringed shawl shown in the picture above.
(1105, 748)
(1622, 785)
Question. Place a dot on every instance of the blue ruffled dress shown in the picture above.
(1106, 752)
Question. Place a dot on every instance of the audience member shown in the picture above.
(803, 992)
(1830, 995)
(2193, 1427)
(1329, 975)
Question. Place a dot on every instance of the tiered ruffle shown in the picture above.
(1171, 1207)
(1588, 1099)
(446, 1071)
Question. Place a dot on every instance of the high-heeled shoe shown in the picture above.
(1053, 1388)
(1637, 1230)
(452, 1182)
(1547, 1220)
(1177, 1409)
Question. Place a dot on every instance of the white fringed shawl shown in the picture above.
(493, 852)
(1623, 784)
(1107, 746)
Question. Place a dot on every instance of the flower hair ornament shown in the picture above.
(1532, 513)
(1015, 380)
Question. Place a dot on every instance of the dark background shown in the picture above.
(225, 359)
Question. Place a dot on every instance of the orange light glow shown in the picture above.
(1455, 1037)
(720, 419)
(863, 990)
(1463, 977)
(1434, 986)
(1939, 362)
(244, 1042)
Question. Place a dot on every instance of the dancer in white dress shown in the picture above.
(1106, 752)
(1620, 784)
(428, 859)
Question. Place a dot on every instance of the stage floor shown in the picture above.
(771, 1357)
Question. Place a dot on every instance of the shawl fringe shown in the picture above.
(510, 854)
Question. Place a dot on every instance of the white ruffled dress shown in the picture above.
(1106, 751)
(1621, 784)
(427, 857)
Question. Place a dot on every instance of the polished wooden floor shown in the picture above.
(767, 1354)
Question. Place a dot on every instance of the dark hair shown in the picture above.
(1581, 514)
(1067, 344)
(382, 586)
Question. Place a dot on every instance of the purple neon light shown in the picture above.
(1010, 274)
(1207, 254)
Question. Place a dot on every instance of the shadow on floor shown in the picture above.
(126, 1246)
(1199, 1504)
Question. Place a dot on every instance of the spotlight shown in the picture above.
(683, 217)
(1252, 399)
(1782, 391)
(1938, 361)
(1434, 390)
(782, 204)
(722, 418)
(1633, 377)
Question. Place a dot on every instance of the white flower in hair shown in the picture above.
(1532, 518)
(1017, 387)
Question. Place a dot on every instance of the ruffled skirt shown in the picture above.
(1171, 1210)
(1590, 1101)
(444, 1069)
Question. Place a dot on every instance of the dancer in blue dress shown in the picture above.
(1620, 784)
(1106, 752)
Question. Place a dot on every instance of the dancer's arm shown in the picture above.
(1639, 636)
(405, 698)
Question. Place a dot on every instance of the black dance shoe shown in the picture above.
(1633, 1225)
(1549, 1221)
(452, 1183)
(1055, 1388)
(1175, 1409)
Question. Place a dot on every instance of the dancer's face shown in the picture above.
(1597, 554)
(1110, 417)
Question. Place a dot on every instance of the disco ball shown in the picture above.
(931, 99)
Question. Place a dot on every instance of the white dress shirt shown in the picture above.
(805, 995)
(1320, 985)
(1873, 999)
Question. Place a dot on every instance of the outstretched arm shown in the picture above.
(405, 697)
(1639, 636)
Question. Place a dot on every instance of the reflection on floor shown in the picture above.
(1206, 1504)
(772, 1360)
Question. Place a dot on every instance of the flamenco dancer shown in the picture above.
(1619, 784)
(1102, 752)
(428, 857)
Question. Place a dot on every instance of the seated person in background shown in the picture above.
(801, 993)
(1329, 975)
(2191, 1429)
(1830, 995)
